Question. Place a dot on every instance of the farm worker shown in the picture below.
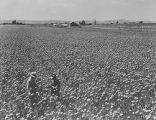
(32, 88)
(55, 87)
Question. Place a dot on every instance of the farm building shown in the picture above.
(72, 24)
(61, 25)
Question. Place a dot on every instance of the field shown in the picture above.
(105, 74)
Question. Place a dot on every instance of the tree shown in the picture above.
(14, 22)
(83, 22)
(74, 24)
(141, 22)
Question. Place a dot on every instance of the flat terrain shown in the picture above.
(105, 74)
(129, 26)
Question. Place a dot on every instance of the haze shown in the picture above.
(78, 9)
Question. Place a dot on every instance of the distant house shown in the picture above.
(64, 25)
(55, 25)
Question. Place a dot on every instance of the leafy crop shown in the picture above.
(104, 74)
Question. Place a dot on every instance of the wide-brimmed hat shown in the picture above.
(54, 75)
(33, 74)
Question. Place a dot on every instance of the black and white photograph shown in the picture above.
(77, 59)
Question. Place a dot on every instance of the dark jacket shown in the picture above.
(55, 87)
(32, 87)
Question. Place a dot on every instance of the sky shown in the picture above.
(78, 9)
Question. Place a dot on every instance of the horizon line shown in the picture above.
(77, 20)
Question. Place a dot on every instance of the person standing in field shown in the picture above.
(32, 89)
(55, 87)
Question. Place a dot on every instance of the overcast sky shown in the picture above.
(78, 9)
